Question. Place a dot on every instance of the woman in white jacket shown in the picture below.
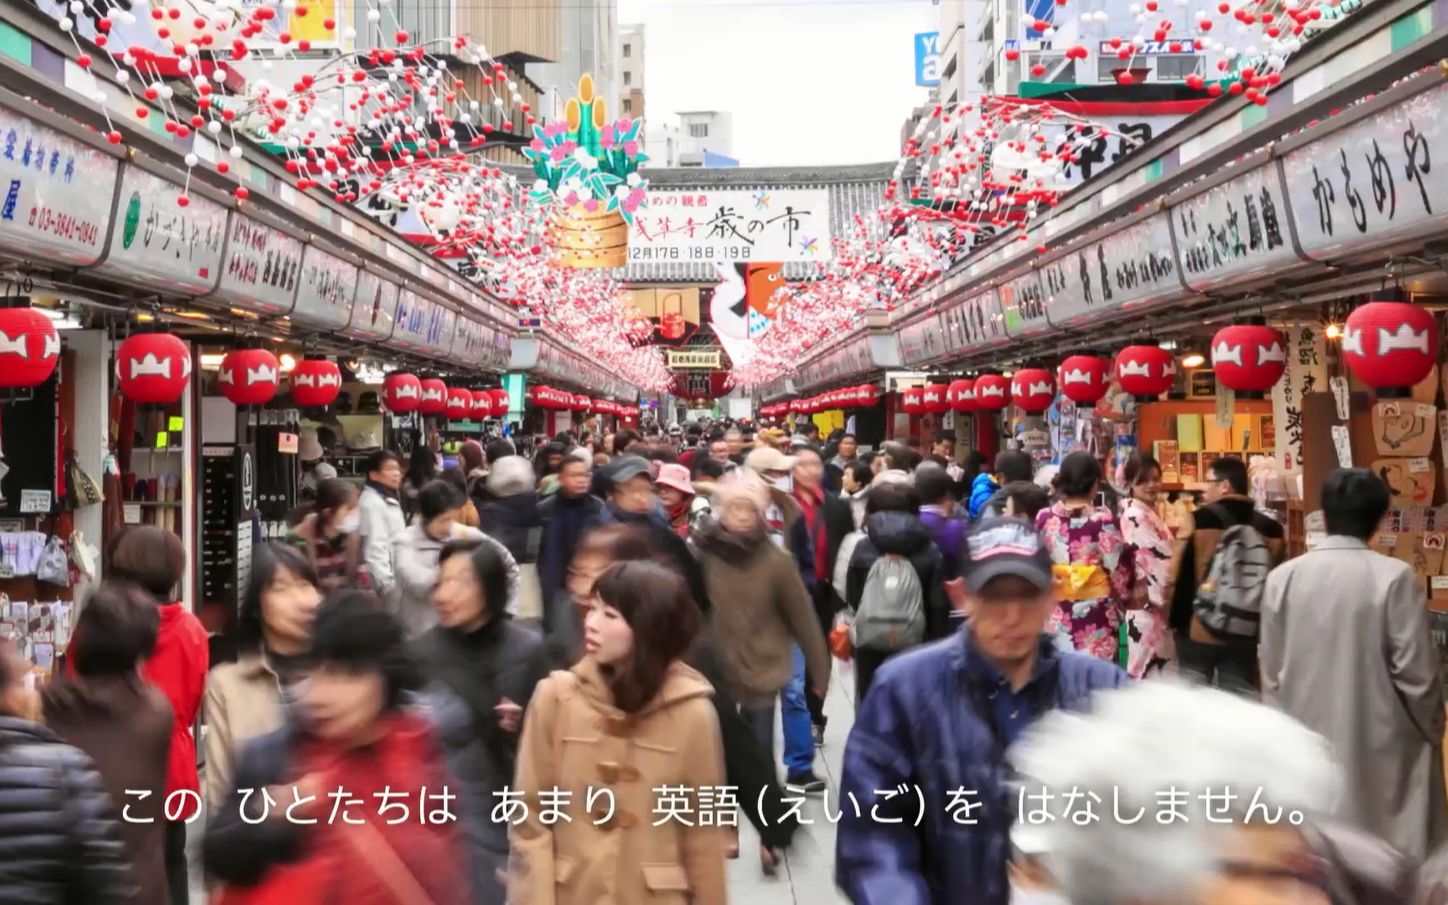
(416, 550)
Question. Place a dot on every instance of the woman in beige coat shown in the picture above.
(598, 741)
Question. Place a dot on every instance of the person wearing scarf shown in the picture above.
(676, 492)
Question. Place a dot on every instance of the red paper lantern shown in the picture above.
(434, 397)
(501, 402)
(459, 405)
(401, 393)
(316, 382)
(250, 376)
(29, 347)
(913, 401)
(962, 395)
(1390, 343)
(866, 395)
(1032, 390)
(933, 398)
(482, 405)
(153, 368)
(1084, 378)
(1145, 371)
(992, 393)
(1249, 358)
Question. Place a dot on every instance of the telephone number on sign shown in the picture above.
(690, 253)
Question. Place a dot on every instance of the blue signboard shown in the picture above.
(927, 59)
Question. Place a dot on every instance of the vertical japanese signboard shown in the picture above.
(1306, 373)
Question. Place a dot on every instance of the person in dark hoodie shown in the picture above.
(60, 841)
(511, 518)
(941, 515)
(567, 516)
(893, 528)
(110, 713)
(480, 659)
(156, 560)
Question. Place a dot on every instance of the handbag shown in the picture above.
(84, 491)
(54, 565)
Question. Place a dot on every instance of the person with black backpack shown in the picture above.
(895, 586)
(1218, 576)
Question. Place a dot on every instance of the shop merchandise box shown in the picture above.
(1403, 428)
(1166, 454)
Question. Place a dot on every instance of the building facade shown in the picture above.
(631, 72)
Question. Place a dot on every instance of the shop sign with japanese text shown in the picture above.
(712, 358)
(1131, 266)
(1372, 182)
(262, 269)
(414, 318)
(1306, 373)
(374, 307)
(705, 225)
(1023, 302)
(922, 341)
(1235, 230)
(976, 323)
(324, 300)
(157, 242)
(55, 193)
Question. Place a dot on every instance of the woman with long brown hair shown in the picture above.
(630, 717)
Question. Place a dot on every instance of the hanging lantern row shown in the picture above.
(546, 397)
(403, 393)
(862, 396)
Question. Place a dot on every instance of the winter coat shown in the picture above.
(982, 488)
(177, 668)
(760, 609)
(619, 852)
(928, 724)
(1194, 551)
(263, 857)
(565, 521)
(794, 536)
(1345, 648)
(124, 726)
(903, 534)
(243, 702)
(382, 520)
(948, 532)
(833, 523)
(59, 831)
(514, 522)
(416, 555)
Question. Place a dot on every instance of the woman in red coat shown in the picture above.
(155, 560)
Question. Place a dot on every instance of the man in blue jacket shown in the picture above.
(936, 724)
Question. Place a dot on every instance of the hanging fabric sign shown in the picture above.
(1306, 373)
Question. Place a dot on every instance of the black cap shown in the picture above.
(1006, 546)
(626, 468)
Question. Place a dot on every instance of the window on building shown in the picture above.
(1107, 66)
(698, 130)
(627, 105)
(627, 51)
(627, 77)
(1177, 68)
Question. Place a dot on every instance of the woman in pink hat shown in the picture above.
(676, 493)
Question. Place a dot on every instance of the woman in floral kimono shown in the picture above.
(1092, 568)
(1149, 645)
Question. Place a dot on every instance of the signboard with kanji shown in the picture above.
(704, 225)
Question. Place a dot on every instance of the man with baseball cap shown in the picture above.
(940, 718)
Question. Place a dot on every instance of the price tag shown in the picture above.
(1342, 439)
(34, 501)
(1339, 388)
(131, 513)
(1226, 402)
(1387, 540)
(1440, 582)
(176, 424)
(1443, 434)
(6, 570)
(1419, 466)
(287, 443)
(163, 440)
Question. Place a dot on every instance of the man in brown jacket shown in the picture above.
(1229, 663)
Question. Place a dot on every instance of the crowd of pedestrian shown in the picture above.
(440, 675)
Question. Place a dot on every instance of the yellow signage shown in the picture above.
(709, 359)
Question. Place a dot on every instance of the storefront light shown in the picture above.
(211, 361)
(193, 315)
(1193, 360)
(1333, 331)
(289, 363)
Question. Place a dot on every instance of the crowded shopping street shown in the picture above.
(604, 452)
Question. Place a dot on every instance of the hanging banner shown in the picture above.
(1306, 373)
(707, 225)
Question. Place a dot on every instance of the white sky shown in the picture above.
(808, 81)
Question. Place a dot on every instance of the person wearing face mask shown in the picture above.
(330, 537)
(248, 698)
(483, 668)
(416, 553)
(631, 717)
(355, 733)
(782, 514)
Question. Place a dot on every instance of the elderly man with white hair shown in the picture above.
(1167, 794)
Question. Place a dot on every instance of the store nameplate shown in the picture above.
(728, 226)
(1233, 231)
(157, 242)
(55, 193)
(414, 318)
(262, 269)
(1023, 302)
(712, 359)
(374, 308)
(329, 285)
(1373, 182)
(978, 322)
(1131, 266)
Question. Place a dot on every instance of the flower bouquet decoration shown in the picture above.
(588, 176)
